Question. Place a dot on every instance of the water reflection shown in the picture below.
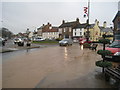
(81, 47)
(65, 53)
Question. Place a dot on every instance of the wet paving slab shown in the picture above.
(54, 67)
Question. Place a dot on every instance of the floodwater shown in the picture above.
(54, 67)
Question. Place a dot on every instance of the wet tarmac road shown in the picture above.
(54, 67)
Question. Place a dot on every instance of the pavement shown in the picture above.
(16, 48)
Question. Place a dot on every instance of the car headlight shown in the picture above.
(117, 54)
(82, 42)
(65, 42)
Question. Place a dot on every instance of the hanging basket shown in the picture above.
(104, 64)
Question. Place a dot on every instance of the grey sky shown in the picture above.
(18, 16)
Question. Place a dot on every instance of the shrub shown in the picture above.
(58, 39)
(102, 63)
(104, 52)
(105, 41)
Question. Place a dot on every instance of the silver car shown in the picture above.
(65, 42)
(17, 40)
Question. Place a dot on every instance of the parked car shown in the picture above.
(38, 39)
(65, 42)
(82, 41)
(18, 40)
(115, 49)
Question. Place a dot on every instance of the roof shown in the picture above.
(53, 29)
(90, 26)
(67, 24)
(40, 28)
(107, 29)
(81, 25)
(118, 14)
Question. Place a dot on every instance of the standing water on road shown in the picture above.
(54, 66)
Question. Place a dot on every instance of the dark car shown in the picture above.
(2, 41)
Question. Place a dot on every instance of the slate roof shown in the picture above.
(90, 26)
(107, 29)
(53, 29)
(67, 24)
(118, 14)
(80, 26)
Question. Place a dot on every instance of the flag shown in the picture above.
(85, 11)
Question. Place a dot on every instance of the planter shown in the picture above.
(86, 45)
(104, 64)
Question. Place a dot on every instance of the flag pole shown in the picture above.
(88, 32)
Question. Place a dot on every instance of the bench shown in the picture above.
(113, 73)
(93, 46)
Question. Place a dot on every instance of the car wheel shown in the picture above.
(67, 44)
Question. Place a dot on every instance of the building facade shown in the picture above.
(48, 31)
(94, 31)
(66, 29)
(78, 31)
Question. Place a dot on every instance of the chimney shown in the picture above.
(77, 19)
(96, 22)
(48, 23)
(104, 24)
(63, 21)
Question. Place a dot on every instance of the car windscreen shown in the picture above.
(16, 39)
(115, 44)
(65, 40)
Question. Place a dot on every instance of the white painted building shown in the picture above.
(78, 31)
(50, 34)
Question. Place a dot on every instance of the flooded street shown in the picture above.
(54, 67)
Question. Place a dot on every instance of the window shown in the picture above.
(64, 29)
(80, 33)
(60, 30)
(75, 33)
(69, 29)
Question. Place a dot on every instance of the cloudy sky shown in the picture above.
(18, 16)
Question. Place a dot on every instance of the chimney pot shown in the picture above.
(63, 21)
(77, 19)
